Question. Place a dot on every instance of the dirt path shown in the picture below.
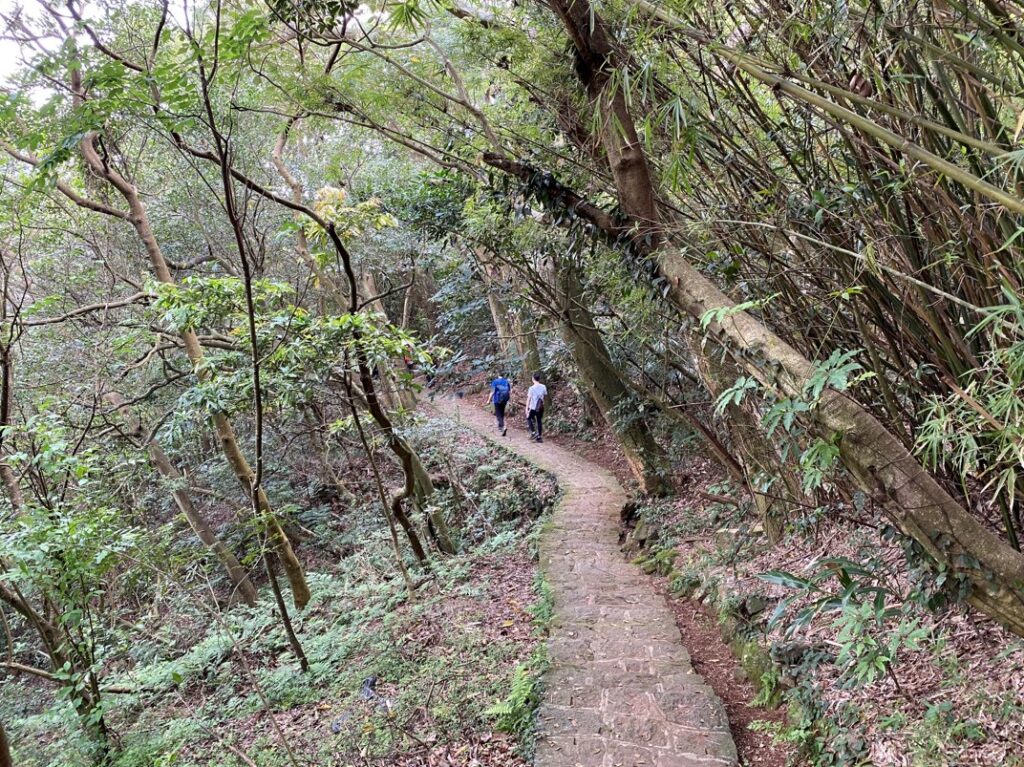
(621, 691)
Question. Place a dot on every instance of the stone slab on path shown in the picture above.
(620, 690)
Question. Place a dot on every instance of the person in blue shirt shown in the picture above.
(501, 390)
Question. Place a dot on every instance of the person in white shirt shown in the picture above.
(535, 397)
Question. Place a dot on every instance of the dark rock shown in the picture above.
(753, 606)
(798, 653)
(337, 724)
(369, 688)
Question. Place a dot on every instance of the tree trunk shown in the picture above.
(396, 395)
(10, 481)
(508, 340)
(225, 432)
(243, 588)
(758, 458)
(65, 658)
(526, 343)
(5, 749)
(606, 386)
(880, 464)
(409, 299)
(275, 533)
(509, 325)
(502, 326)
(418, 485)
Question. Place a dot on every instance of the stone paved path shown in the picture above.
(620, 691)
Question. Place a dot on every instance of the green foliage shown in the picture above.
(978, 429)
(836, 372)
(781, 207)
(859, 585)
(348, 221)
(412, 14)
(715, 316)
(515, 714)
(818, 461)
(162, 748)
(735, 394)
(866, 650)
(785, 413)
(543, 610)
(300, 350)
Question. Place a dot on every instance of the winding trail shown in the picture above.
(620, 691)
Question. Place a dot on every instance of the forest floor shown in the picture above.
(954, 698)
(393, 681)
(453, 672)
(620, 688)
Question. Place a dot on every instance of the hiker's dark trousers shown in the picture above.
(535, 420)
(499, 413)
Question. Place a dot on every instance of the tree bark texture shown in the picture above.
(5, 748)
(606, 386)
(758, 458)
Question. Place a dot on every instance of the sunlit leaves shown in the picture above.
(70, 538)
(179, 99)
(211, 301)
(410, 14)
(349, 221)
(240, 33)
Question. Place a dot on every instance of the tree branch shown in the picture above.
(136, 298)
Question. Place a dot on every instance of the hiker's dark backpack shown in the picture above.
(502, 389)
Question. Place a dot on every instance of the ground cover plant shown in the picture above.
(450, 673)
(839, 632)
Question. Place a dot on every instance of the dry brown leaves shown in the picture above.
(971, 666)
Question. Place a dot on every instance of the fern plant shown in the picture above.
(515, 713)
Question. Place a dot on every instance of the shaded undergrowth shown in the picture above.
(392, 679)
(872, 667)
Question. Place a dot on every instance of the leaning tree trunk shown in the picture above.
(879, 463)
(606, 386)
(500, 314)
(7, 475)
(242, 586)
(757, 457)
(236, 459)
